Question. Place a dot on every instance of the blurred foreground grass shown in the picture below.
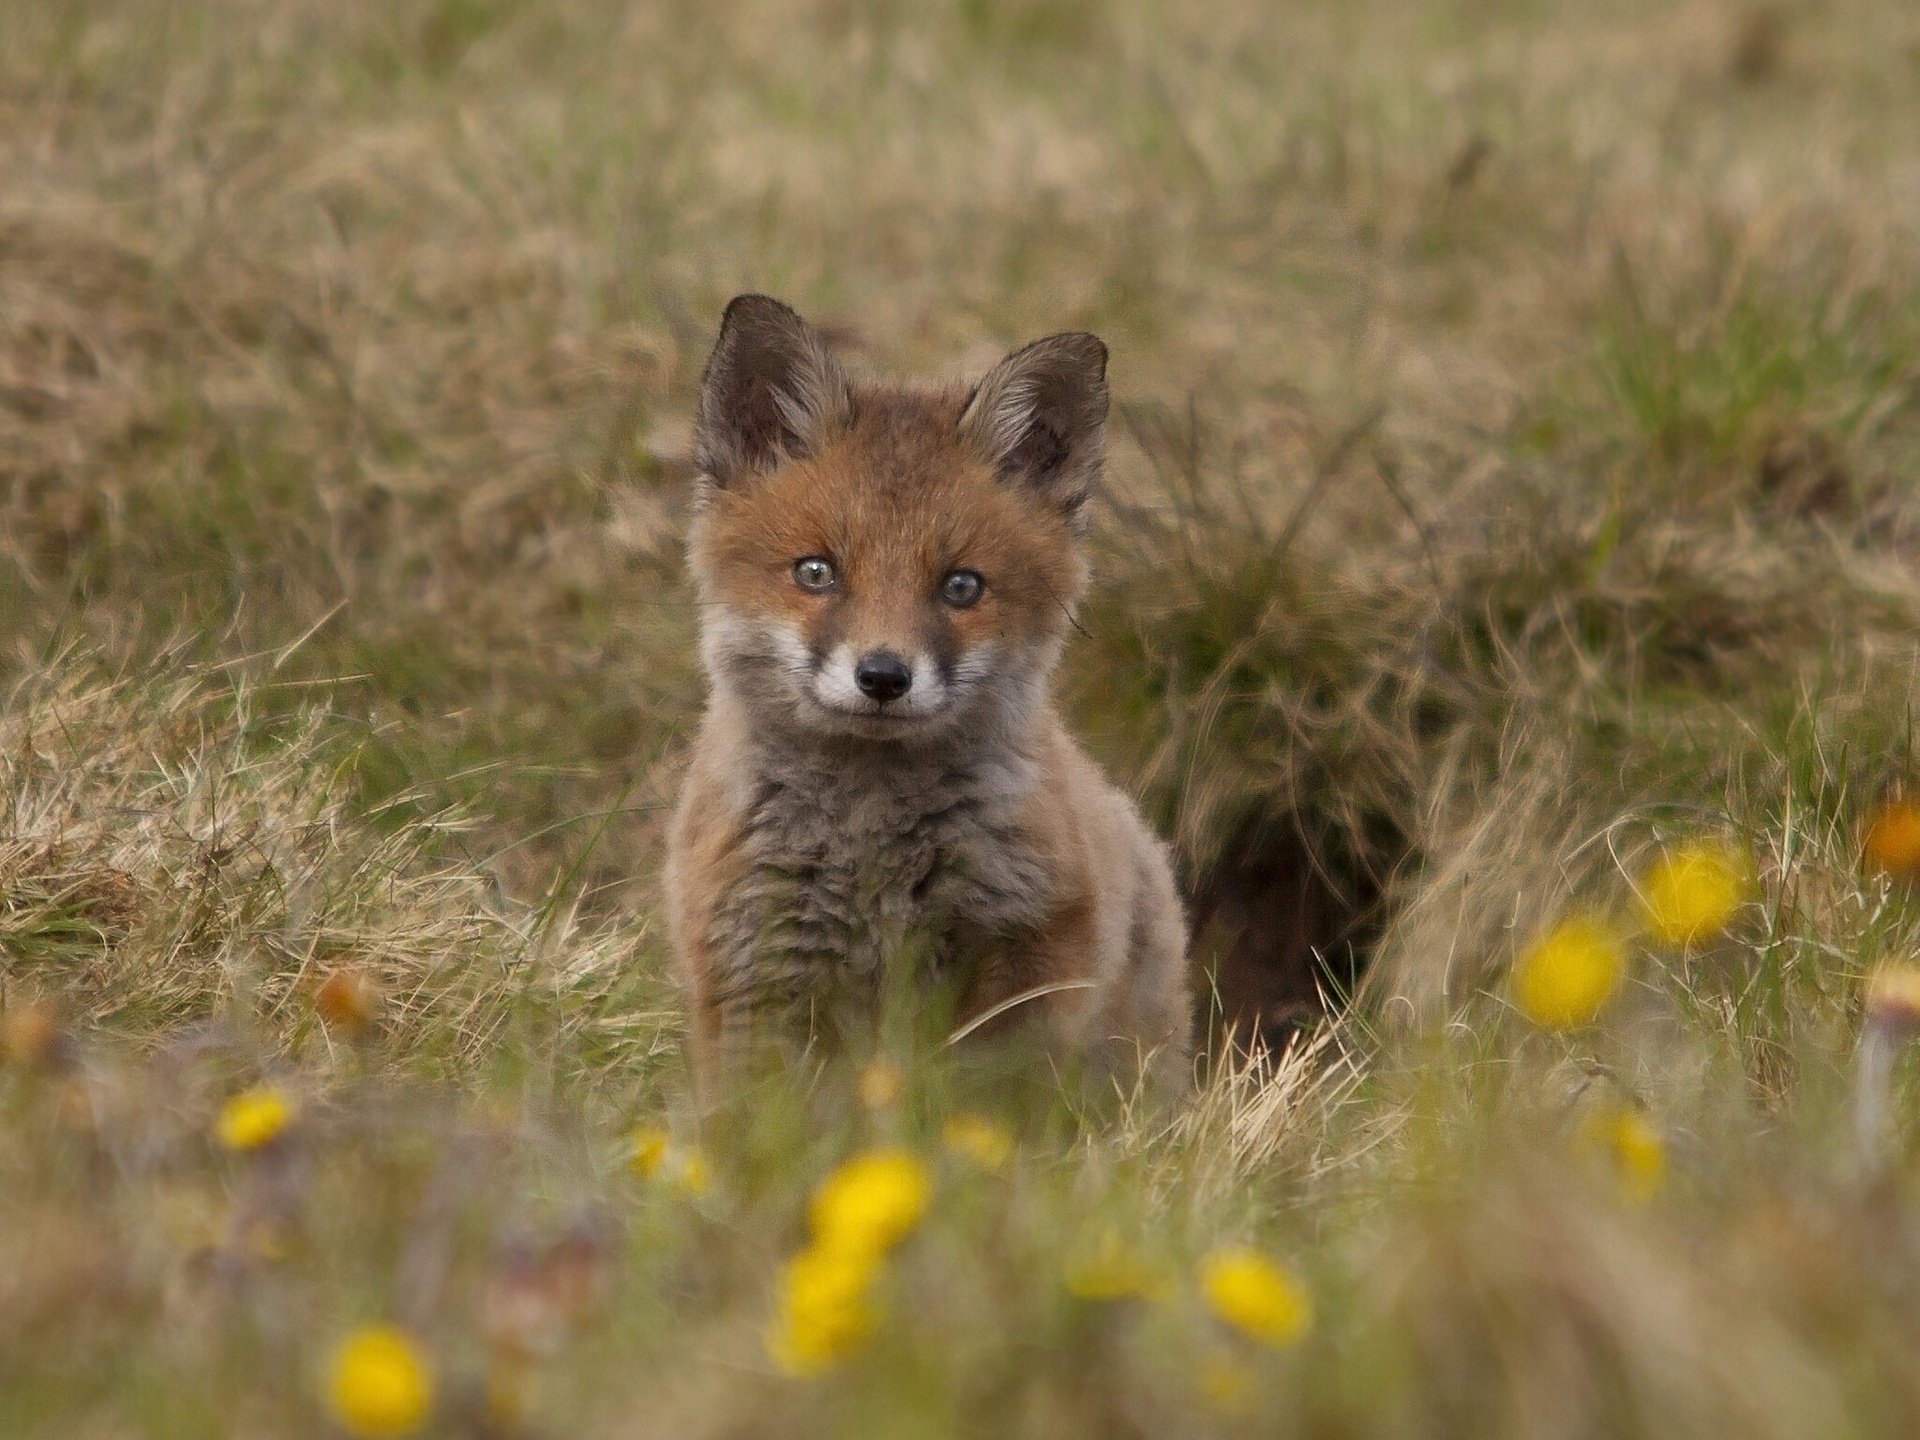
(1518, 412)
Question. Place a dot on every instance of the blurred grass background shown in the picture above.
(1517, 413)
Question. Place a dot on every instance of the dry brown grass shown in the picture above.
(180, 850)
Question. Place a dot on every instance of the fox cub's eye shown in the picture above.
(813, 573)
(962, 588)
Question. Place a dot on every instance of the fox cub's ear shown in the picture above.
(1040, 416)
(771, 388)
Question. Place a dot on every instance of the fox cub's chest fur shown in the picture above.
(881, 788)
(849, 870)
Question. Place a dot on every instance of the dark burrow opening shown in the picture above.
(1284, 927)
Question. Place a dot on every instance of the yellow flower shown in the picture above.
(655, 1155)
(1693, 890)
(1257, 1295)
(649, 1151)
(30, 1035)
(1893, 996)
(872, 1202)
(1110, 1269)
(1633, 1148)
(255, 1117)
(691, 1172)
(379, 1384)
(987, 1143)
(348, 1000)
(1571, 972)
(825, 1310)
(881, 1083)
(1227, 1384)
(1892, 843)
(686, 1169)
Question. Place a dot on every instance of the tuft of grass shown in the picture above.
(183, 854)
(1548, 662)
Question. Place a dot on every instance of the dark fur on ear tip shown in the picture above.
(1088, 347)
(750, 306)
(1039, 417)
(770, 390)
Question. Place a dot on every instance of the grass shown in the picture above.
(1517, 410)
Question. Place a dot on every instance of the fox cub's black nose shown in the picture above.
(882, 675)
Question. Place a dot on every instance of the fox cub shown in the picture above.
(881, 794)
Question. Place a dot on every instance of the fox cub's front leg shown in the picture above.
(757, 960)
(716, 1025)
(705, 862)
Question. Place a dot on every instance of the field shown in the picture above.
(1506, 603)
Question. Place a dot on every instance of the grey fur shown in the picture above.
(862, 859)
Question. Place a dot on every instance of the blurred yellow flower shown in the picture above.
(881, 1083)
(1632, 1146)
(655, 1155)
(1693, 890)
(1893, 996)
(30, 1034)
(825, 1309)
(348, 1000)
(1892, 843)
(255, 1117)
(649, 1150)
(986, 1142)
(1110, 1269)
(379, 1383)
(872, 1202)
(1227, 1383)
(691, 1173)
(1257, 1295)
(1570, 974)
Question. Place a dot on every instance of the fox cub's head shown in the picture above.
(886, 563)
